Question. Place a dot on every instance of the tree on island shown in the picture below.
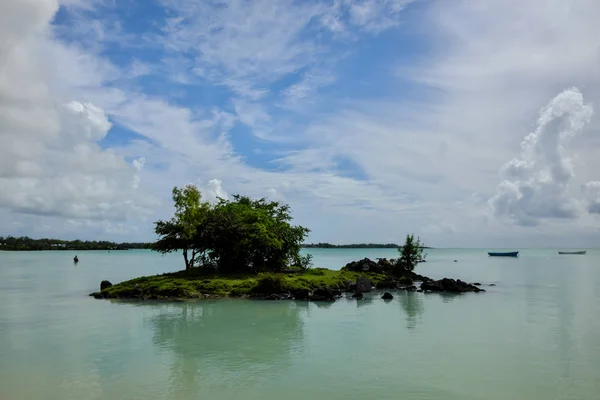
(238, 235)
(183, 231)
(411, 253)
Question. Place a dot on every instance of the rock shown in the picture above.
(358, 296)
(105, 285)
(322, 294)
(363, 284)
(405, 280)
(387, 296)
(492, 284)
(420, 290)
(477, 284)
(449, 285)
(301, 294)
(364, 265)
(410, 288)
(388, 284)
(273, 297)
(385, 264)
(351, 286)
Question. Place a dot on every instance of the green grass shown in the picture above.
(181, 285)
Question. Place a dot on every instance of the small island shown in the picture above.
(248, 248)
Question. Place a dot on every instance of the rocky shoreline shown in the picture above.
(319, 284)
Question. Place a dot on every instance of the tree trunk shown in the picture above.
(188, 266)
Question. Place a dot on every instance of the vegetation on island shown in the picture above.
(231, 236)
(25, 243)
(247, 247)
(411, 253)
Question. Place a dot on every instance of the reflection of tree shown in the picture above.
(237, 338)
(413, 305)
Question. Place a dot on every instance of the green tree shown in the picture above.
(184, 231)
(252, 235)
(411, 253)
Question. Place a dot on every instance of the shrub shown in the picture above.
(270, 283)
(304, 263)
(316, 271)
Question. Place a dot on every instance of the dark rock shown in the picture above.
(273, 297)
(492, 284)
(364, 265)
(322, 294)
(358, 296)
(387, 284)
(301, 294)
(449, 285)
(387, 296)
(363, 284)
(410, 288)
(336, 292)
(385, 264)
(105, 285)
(455, 260)
(405, 280)
(477, 284)
(351, 286)
(416, 277)
(420, 290)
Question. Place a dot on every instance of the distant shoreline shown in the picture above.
(11, 243)
(25, 243)
(354, 246)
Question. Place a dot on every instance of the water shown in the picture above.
(533, 336)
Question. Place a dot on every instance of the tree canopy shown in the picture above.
(238, 235)
(411, 253)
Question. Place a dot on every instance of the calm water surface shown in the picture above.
(536, 335)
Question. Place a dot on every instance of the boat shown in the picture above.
(580, 252)
(504, 254)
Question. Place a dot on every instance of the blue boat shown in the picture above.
(506, 254)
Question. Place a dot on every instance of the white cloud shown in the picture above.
(591, 192)
(213, 191)
(363, 170)
(375, 15)
(50, 161)
(246, 45)
(536, 186)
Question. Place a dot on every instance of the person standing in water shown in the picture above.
(75, 259)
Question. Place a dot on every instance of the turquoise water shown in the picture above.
(533, 336)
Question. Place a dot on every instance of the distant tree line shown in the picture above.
(354, 246)
(350, 246)
(25, 243)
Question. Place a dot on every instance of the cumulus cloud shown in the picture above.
(536, 185)
(591, 192)
(213, 191)
(51, 163)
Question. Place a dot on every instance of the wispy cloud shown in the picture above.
(101, 117)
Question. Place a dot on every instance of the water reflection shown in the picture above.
(211, 340)
(412, 303)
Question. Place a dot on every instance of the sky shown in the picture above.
(469, 124)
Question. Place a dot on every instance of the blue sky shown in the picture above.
(467, 123)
